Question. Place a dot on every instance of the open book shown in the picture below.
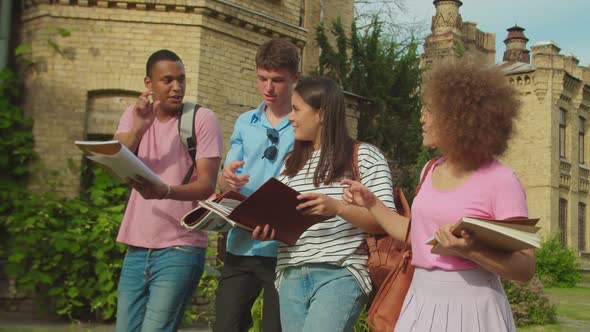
(211, 214)
(272, 204)
(506, 235)
(118, 160)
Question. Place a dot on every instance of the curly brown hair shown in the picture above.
(473, 107)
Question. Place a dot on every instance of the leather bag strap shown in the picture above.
(356, 174)
(428, 168)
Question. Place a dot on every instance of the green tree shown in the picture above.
(336, 61)
(372, 64)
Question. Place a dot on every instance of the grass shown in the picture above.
(573, 309)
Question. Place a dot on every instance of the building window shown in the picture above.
(562, 133)
(581, 227)
(581, 134)
(563, 221)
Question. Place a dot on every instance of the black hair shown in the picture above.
(161, 55)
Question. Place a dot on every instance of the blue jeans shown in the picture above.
(155, 285)
(319, 297)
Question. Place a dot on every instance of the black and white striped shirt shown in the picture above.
(335, 241)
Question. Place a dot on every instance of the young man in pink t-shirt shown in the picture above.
(164, 261)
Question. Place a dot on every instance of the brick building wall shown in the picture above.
(84, 90)
(552, 176)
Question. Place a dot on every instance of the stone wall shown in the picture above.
(555, 83)
(82, 88)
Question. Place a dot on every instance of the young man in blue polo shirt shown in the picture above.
(261, 139)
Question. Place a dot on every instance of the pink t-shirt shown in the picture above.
(493, 191)
(155, 223)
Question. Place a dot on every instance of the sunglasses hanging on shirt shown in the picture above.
(270, 153)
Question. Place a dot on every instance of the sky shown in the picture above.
(565, 22)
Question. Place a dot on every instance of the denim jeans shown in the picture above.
(319, 297)
(155, 285)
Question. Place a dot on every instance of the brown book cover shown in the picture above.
(273, 204)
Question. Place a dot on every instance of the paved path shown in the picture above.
(14, 322)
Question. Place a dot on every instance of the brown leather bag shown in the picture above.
(384, 251)
(389, 264)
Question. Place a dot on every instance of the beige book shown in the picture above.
(504, 235)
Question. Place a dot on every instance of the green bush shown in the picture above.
(60, 250)
(529, 304)
(16, 150)
(16, 136)
(556, 264)
(206, 289)
(63, 250)
(256, 313)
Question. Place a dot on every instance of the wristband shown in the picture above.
(167, 194)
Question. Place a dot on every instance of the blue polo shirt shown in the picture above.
(248, 143)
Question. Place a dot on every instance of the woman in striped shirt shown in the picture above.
(323, 280)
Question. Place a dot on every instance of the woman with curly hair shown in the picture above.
(468, 115)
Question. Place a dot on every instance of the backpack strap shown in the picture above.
(186, 130)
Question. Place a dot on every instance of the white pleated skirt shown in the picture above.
(453, 301)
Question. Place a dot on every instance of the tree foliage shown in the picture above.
(372, 64)
(16, 138)
(16, 150)
(59, 250)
